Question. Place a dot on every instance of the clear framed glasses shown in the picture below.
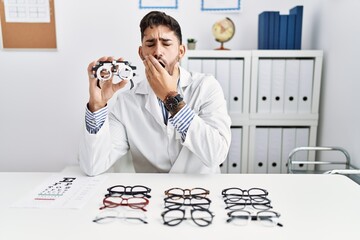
(200, 216)
(238, 192)
(243, 217)
(187, 193)
(136, 191)
(129, 216)
(242, 203)
(174, 202)
(132, 202)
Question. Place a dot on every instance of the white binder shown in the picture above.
(264, 86)
(194, 65)
(292, 72)
(302, 140)
(223, 76)
(236, 85)
(306, 85)
(277, 85)
(288, 144)
(209, 66)
(261, 150)
(234, 156)
(274, 151)
(224, 166)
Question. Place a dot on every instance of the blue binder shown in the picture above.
(263, 31)
(298, 12)
(283, 25)
(276, 30)
(291, 32)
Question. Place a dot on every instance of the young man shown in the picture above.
(172, 122)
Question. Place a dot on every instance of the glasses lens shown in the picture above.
(200, 202)
(112, 201)
(119, 189)
(199, 192)
(257, 192)
(106, 216)
(173, 202)
(134, 216)
(137, 202)
(175, 192)
(139, 191)
(268, 218)
(233, 191)
(173, 217)
(239, 217)
(201, 217)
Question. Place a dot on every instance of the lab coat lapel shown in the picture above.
(151, 102)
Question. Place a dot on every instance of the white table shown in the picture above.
(311, 207)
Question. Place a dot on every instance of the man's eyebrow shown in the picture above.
(161, 39)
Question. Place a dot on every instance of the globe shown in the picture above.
(223, 30)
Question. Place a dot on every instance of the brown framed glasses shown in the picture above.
(187, 193)
(132, 202)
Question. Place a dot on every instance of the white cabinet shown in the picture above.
(273, 100)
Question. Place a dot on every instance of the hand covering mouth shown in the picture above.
(162, 64)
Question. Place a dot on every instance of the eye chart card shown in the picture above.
(62, 192)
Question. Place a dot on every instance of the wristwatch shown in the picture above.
(172, 102)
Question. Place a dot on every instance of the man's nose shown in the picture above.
(158, 51)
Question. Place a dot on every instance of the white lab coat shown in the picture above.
(135, 124)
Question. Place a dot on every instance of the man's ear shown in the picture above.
(182, 50)
(141, 53)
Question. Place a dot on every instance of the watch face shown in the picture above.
(171, 103)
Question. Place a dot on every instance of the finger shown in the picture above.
(120, 85)
(156, 63)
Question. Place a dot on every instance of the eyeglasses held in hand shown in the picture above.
(132, 202)
(200, 216)
(238, 192)
(129, 216)
(261, 203)
(242, 217)
(174, 202)
(187, 193)
(136, 191)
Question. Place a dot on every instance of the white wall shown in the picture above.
(43, 93)
(339, 37)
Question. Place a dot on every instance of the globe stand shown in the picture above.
(222, 47)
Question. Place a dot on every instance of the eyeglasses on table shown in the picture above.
(132, 202)
(174, 202)
(200, 216)
(249, 193)
(136, 191)
(261, 203)
(243, 217)
(129, 216)
(187, 193)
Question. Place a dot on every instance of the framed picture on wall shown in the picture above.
(162, 4)
(220, 5)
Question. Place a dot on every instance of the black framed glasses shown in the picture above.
(174, 202)
(187, 193)
(262, 203)
(243, 217)
(129, 216)
(200, 216)
(241, 193)
(132, 202)
(136, 191)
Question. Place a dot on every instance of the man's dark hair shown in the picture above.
(156, 18)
